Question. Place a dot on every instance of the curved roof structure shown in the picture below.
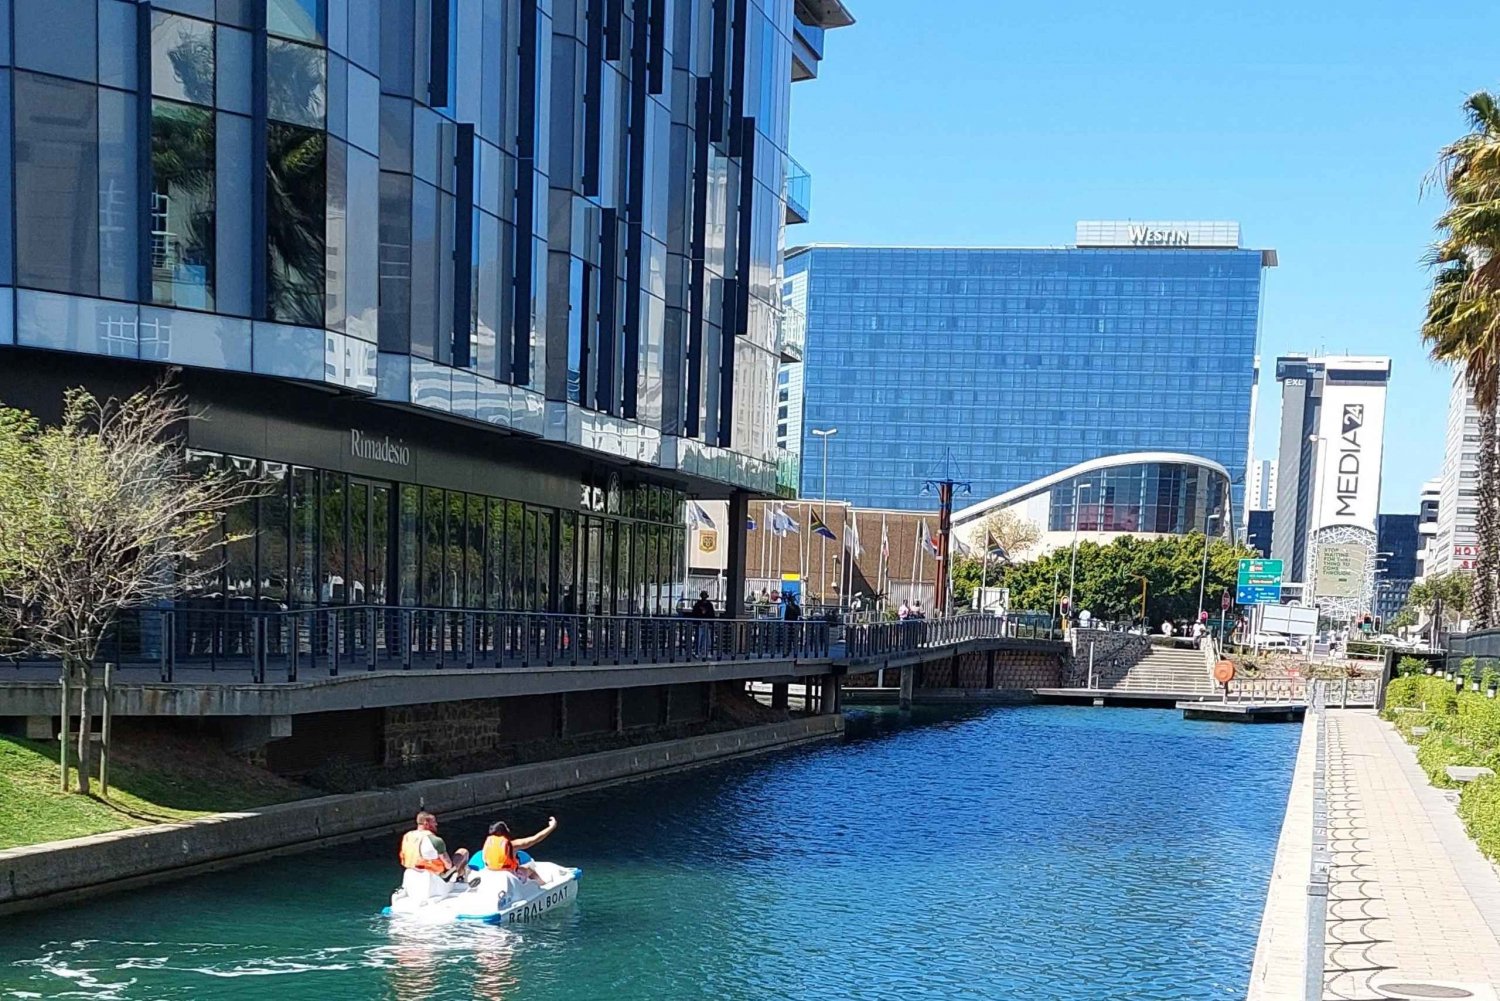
(1082, 469)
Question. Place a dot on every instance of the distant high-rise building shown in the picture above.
(1455, 541)
(1016, 363)
(1328, 477)
(1261, 495)
(1396, 563)
(1427, 526)
(1258, 535)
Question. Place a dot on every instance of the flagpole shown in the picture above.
(916, 542)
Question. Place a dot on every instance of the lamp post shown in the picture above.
(1073, 563)
(945, 484)
(825, 434)
(1145, 625)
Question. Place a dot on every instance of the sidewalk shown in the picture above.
(1411, 902)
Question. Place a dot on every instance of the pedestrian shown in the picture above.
(1166, 627)
(904, 612)
(792, 610)
(1198, 630)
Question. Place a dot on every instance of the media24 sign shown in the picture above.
(1259, 583)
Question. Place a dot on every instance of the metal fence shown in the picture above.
(285, 645)
(1337, 692)
(888, 638)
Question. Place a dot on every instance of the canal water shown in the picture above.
(1035, 852)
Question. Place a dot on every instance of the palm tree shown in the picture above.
(1462, 325)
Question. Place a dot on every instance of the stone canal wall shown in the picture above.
(63, 871)
(1007, 670)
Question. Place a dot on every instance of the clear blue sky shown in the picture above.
(991, 122)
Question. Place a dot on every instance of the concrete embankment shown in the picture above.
(63, 871)
(1279, 972)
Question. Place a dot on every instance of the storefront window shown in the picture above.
(474, 553)
(272, 538)
(333, 586)
(515, 544)
(495, 567)
(567, 560)
(409, 544)
(433, 541)
(240, 525)
(304, 564)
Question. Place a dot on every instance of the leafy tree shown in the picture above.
(102, 513)
(1108, 577)
(1451, 590)
(1462, 324)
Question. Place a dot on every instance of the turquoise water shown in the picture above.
(1036, 852)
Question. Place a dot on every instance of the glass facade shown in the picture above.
(1166, 498)
(323, 537)
(564, 217)
(1022, 362)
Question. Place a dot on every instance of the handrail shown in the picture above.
(284, 644)
(882, 639)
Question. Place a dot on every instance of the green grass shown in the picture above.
(154, 778)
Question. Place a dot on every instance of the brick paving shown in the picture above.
(1411, 900)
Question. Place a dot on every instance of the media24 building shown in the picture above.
(1023, 363)
(487, 288)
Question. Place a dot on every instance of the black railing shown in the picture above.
(327, 641)
(888, 638)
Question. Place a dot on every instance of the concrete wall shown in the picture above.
(63, 871)
(1007, 669)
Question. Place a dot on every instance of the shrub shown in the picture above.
(1479, 808)
(1404, 692)
(1409, 665)
(1437, 751)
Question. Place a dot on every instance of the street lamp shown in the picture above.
(945, 483)
(1073, 563)
(825, 434)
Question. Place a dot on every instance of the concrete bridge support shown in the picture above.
(908, 682)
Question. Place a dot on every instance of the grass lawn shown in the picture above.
(154, 778)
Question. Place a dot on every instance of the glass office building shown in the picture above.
(1017, 363)
(487, 288)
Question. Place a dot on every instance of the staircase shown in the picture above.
(1165, 670)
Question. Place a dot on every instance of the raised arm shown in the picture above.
(538, 837)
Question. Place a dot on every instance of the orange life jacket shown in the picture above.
(500, 854)
(411, 852)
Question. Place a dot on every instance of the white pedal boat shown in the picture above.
(489, 896)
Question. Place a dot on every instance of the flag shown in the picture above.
(818, 528)
(783, 523)
(992, 547)
(885, 543)
(928, 542)
(964, 549)
(697, 517)
(851, 537)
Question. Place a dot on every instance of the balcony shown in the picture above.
(798, 192)
(793, 334)
(788, 474)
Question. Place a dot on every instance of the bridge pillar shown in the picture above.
(908, 682)
(830, 701)
(739, 515)
(779, 695)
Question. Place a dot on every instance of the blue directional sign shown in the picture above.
(1259, 582)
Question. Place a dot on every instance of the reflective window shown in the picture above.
(395, 262)
(182, 205)
(117, 44)
(182, 58)
(40, 45)
(232, 70)
(296, 203)
(234, 233)
(57, 184)
(119, 232)
(296, 83)
(306, 20)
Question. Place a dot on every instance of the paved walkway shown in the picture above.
(1411, 900)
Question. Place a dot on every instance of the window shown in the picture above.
(182, 205)
(182, 59)
(296, 199)
(57, 184)
(305, 20)
(57, 37)
(296, 83)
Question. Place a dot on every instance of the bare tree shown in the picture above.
(1014, 533)
(102, 513)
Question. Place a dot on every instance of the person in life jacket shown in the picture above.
(421, 848)
(500, 849)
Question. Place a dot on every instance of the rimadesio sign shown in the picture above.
(381, 449)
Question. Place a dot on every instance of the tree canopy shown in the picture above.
(1108, 578)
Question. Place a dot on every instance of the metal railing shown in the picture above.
(286, 645)
(889, 638)
(1339, 692)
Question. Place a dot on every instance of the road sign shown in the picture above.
(1259, 582)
